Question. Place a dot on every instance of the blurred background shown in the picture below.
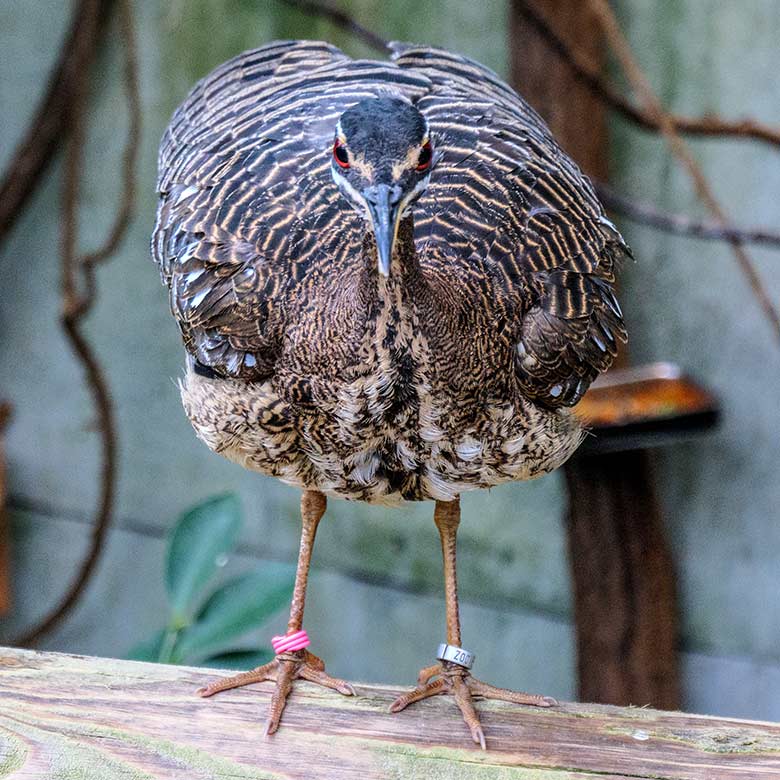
(693, 565)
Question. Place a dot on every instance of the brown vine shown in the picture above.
(78, 284)
(46, 129)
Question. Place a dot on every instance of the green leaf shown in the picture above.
(149, 649)
(240, 660)
(239, 605)
(202, 535)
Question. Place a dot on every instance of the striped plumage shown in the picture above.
(455, 372)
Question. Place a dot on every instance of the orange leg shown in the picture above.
(301, 664)
(448, 677)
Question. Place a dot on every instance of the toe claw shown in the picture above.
(209, 690)
(397, 705)
(479, 736)
(401, 703)
(548, 701)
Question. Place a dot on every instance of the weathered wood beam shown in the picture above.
(70, 716)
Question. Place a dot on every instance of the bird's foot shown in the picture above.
(450, 678)
(285, 668)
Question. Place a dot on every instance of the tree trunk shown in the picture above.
(623, 577)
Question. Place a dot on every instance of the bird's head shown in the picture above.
(382, 158)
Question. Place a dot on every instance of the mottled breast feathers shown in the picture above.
(248, 209)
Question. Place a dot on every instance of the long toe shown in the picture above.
(463, 697)
(486, 691)
(260, 674)
(284, 682)
(454, 680)
(284, 670)
(321, 677)
(420, 692)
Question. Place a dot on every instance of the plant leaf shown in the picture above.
(236, 607)
(239, 660)
(149, 649)
(199, 538)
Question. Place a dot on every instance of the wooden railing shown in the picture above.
(67, 716)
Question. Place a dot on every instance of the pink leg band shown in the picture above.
(289, 643)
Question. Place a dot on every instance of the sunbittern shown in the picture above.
(391, 284)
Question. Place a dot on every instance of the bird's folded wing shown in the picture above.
(247, 204)
(503, 195)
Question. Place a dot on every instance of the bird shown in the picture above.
(392, 285)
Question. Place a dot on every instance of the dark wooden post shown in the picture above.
(624, 585)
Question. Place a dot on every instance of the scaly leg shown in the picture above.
(289, 666)
(451, 678)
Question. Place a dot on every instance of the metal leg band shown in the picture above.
(456, 655)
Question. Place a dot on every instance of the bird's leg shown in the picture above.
(448, 677)
(287, 666)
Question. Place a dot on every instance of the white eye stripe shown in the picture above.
(349, 191)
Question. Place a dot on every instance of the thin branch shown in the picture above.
(36, 150)
(679, 224)
(654, 108)
(340, 19)
(76, 303)
(593, 79)
(703, 126)
(620, 204)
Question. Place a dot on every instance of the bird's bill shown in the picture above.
(384, 215)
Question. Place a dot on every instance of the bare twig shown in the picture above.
(340, 19)
(672, 223)
(592, 77)
(654, 108)
(679, 224)
(42, 138)
(78, 272)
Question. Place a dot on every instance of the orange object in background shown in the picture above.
(631, 408)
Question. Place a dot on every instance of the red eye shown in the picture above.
(424, 160)
(340, 154)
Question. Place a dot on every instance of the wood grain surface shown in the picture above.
(74, 717)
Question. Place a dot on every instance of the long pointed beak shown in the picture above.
(383, 204)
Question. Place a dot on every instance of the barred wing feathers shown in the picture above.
(505, 195)
(247, 204)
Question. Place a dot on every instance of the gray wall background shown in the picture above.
(376, 583)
